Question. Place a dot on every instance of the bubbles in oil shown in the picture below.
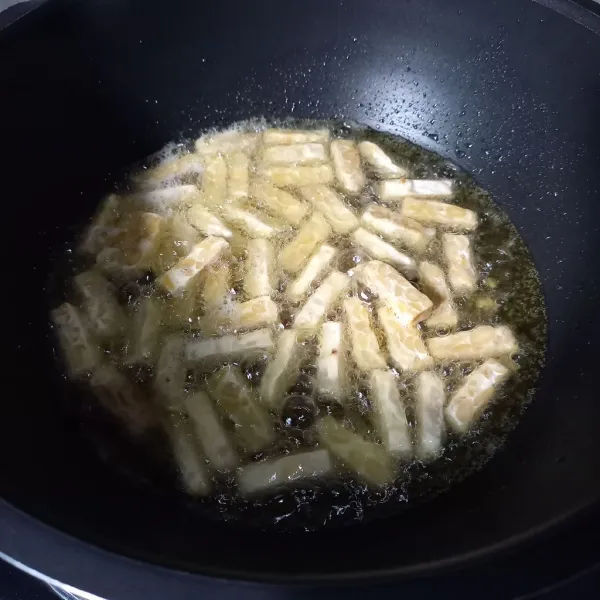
(509, 292)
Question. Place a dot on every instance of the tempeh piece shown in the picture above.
(429, 414)
(404, 343)
(295, 136)
(169, 169)
(433, 280)
(395, 228)
(319, 303)
(325, 200)
(440, 214)
(211, 351)
(297, 176)
(315, 267)
(398, 189)
(291, 469)
(474, 395)
(294, 154)
(190, 461)
(332, 376)
(215, 286)
(314, 231)
(367, 459)
(213, 186)
(238, 168)
(79, 349)
(133, 250)
(123, 398)
(379, 162)
(409, 305)
(225, 142)
(483, 341)
(177, 279)
(278, 202)
(346, 161)
(383, 251)
(259, 278)
(235, 399)
(251, 224)
(389, 414)
(177, 241)
(363, 341)
(170, 373)
(252, 314)
(459, 258)
(282, 371)
(207, 223)
(210, 432)
(144, 329)
(100, 305)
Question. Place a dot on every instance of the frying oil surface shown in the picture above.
(299, 415)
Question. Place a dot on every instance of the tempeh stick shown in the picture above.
(363, 341)
(213, 185)
(259, 278)
(398, 189)
(291, 469)
(316, 266)
(249, 222)
(383, 251)
(326, 201)
(282, 371)
(210, 432)
(236, 316)
(346, 161)
(379, 162)
(389, 414)
(429, 414)
(474, 395)
(332, 376)
(294, 154)
(433, 280)
(314, 231)
(395, 228)
(404, 343)
(295, 136)
(319, 303)
(483, 341)
(409, 305)
(277, 201)
(297, 176)
(238, 167)
(440, 214)
(179, 278)
(207, 223)
(459, 258)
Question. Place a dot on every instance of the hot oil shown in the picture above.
(509, 292)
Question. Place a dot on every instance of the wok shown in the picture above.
(509, 89)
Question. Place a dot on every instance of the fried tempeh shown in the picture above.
(408, 304)
(295, 136)
(459, 259)
(363, 341)
(440, 214)
(213, 185)
(332, 376)
(384, 252)
(291, 469)
(406, 348)
(474, 395)
(207, 223)
(398, 189)
(297, 176)
(346, 162)
(379, 162)
(294, 154)
(279, 202)
(330, 205)
(259, 277)
(395, 228)
(432, 278)
(483, 341)
(314, 232)
(238, 169)
(316, 266)
(429, 414)
(319, 303)
(282, 370)
(236, 316)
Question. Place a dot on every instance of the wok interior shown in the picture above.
(525, 128)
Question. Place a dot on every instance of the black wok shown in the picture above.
(508, 89)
